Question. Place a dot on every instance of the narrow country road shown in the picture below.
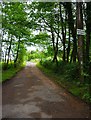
(30, 94)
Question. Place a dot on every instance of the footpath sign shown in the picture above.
(80, 32)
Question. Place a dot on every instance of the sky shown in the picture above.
(32, 48)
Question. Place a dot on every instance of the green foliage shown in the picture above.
(66, 75)
(14, 18)
(14, 29)
(39, 54)
(22, 54)
(11, 71)
(47, 64)
(87, 96)
(70, 70)
(42, 38)
(33, 55)
(20, 19)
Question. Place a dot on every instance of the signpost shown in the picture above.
(80, 32)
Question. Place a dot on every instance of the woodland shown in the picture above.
(60, 32)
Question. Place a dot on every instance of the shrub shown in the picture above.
(67, 75)
(72, 71)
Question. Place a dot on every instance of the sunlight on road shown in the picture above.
(30, 64)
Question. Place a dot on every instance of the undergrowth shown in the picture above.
(67, 75)
(10, 71)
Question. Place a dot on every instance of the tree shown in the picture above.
(80, 38)
(14, 20)
(63, 33)
(46, 18)
(71, 23)
(88, 31)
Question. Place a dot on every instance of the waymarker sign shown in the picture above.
(80, 32)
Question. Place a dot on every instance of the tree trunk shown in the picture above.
(71, 24)
(17, 53)
(9, 50)
(68, 49)
(56, 49)
(87, 47)
(88, 31)
(80, 39)
(52, 33)
(63, 34)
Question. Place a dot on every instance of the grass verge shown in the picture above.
(9, 73)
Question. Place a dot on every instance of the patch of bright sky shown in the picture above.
(36, 32)
(32, 48)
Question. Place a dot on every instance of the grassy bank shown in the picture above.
(10, 72)
(67, 76)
